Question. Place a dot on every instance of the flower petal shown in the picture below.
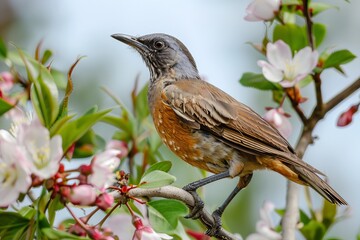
(305, 61)
(270, 72)
(262, 10)
(278, 54)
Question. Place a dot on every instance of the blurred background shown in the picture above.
(217, 36)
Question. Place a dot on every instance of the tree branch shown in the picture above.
(308, 23)
(291, 214)
(171, 192)
(319, 98)
(342, 95)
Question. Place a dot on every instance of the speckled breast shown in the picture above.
(193, 146)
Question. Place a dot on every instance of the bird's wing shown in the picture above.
(203, 106)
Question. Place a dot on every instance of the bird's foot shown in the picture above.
(198, 203)
(214, 230)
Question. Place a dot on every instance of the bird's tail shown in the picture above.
(319, 185)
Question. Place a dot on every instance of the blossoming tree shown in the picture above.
(37, 152)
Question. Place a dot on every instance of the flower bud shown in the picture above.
(83, 195)
(104, 201)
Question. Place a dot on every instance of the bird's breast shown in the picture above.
(196, 147)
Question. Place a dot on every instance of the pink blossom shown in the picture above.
(14, 174)
(145, 232)
(6, 81)
(264, 227)
(118, 145)
(84, 195)
(43, 153)
(262, 10)
(121, 226)
(279, 120)
(104, 201)
(103, 166)
(284, 68)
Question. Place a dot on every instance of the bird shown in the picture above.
(211, 130)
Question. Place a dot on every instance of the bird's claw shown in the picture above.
(195, 212)
(214, 230)
(197, 208)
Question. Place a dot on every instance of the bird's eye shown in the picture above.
(158, 45)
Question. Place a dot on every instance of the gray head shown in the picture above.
(163, 55)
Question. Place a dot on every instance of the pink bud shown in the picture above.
(6, 81)
(77, 230)
(279, 120)
(118, 145)
(104, 201)
(83, 195)
(346, 117)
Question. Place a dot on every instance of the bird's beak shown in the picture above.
(131, 41)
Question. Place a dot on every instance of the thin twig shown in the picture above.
(309, 23)
(319, 98)
(297, 109)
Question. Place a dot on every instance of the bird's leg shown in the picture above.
(192, 187)
(243, 182)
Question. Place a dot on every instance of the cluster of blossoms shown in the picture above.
(27, 153)
(281, 66)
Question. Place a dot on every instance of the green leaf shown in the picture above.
(51, 233)
(44, 102)
(329, 214)
(3, 49)
(304, 218)
(319, 31)
(55, 205)
(338, 58)
(161, 166)
(320, 7)
(44, 93)
(59, 78)
(141, 104)
(280, 212)
(156, 179)
(278, 96)
(305, 81)
(88, 144)
(71, 131)
(313, 230)
(27, 212)
(164, 214)
(46, 56)
(258, 81)
(4, 106)
(291, 34)
(13, 226)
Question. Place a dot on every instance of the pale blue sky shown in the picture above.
(216, 35)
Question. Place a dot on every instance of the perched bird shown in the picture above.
(209, 129)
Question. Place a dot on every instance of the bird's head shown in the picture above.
(163, 55)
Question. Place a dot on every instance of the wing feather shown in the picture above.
(210, 109)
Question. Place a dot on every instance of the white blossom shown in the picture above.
(14, 174)
(262, 10)
(284, 68)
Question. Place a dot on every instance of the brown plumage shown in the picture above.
(208, 128)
